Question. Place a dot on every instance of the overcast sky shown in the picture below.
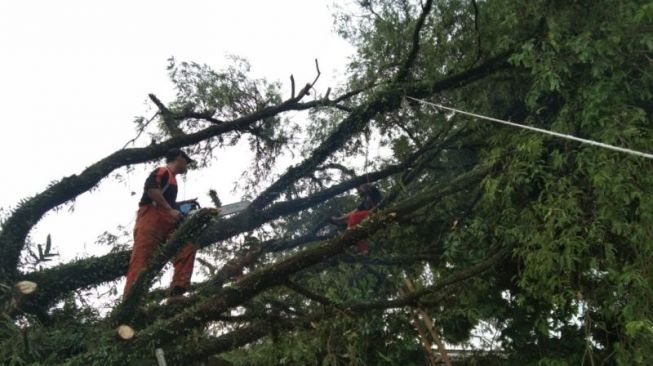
(73, 74)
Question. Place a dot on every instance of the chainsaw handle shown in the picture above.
(192, 200)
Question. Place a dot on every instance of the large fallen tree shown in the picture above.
(503, 233)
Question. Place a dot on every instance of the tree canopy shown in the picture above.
(533, 249)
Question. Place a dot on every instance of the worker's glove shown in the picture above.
(175, 215)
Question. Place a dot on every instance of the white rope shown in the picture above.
(540, 130)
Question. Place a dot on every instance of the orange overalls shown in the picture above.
(352, 221)
(154, 224)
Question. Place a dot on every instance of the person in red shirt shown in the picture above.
(157, 218)
(370, 198)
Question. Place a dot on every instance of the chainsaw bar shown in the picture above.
(233, 208)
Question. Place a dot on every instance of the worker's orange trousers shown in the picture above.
(153, 227)
(352, 221)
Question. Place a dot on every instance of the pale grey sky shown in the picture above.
(73, 74)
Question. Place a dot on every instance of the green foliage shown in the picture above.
(230, 93)
(226, 95)
(28, 342)
(576, 219)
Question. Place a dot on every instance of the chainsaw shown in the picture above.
(189, 207)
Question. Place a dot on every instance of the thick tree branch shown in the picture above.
(389, 261)
(412, 55)
(413, 298)
(294, 243)
(230, 270)
(240, 337)
(256, 282)
(164, 331)
(57, 281)
(255, 331)
(312, 295)
(336, 166)
(243, 336)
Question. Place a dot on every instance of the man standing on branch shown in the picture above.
(157, 218)
(371, 197)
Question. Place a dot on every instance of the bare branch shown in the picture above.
(168, 117)
(141, 130)
(292, 86)
(317, 68)
(412, 55)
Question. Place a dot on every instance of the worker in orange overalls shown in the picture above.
(371, 197)
(157, 218)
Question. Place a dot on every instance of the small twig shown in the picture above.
(411, 135)
(212, 269)
(325, 102)
(343, 108)
(354, 92)
(478, 33)
(314, 296)
(140, 130)
(292, 86)
(206, 115)
(306, 89)
(368, 5)
(340, 167)
(317, 67)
